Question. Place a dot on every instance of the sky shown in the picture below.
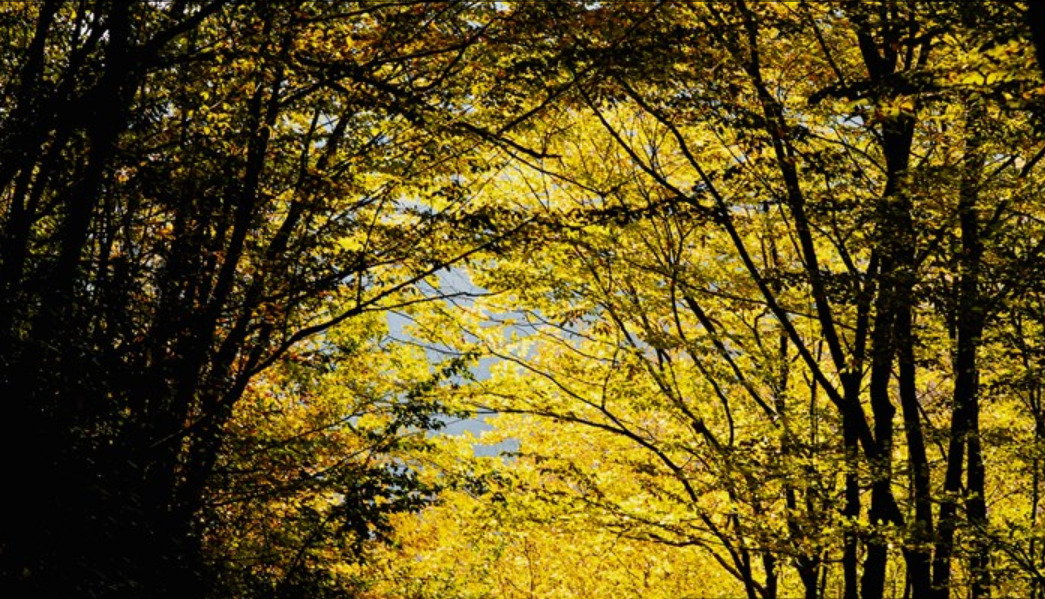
(453, 281)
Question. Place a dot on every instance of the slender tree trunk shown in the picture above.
(964, 432)
(919, 557)
(872, 582)
(851, 509)
(895, 282)
(1035, 19)
(970, 329)
(1037, 586)
(771, 586)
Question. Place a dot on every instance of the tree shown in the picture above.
(774, 262)
(862, 179)
(320, 455)
(189, 190)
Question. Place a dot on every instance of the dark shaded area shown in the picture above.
(174, 178)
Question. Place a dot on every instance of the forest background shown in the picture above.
(745, 296)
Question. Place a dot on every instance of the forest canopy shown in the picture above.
(745, 298)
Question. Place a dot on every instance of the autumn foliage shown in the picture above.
(744, 295)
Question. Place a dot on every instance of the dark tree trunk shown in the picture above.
(964, 433)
